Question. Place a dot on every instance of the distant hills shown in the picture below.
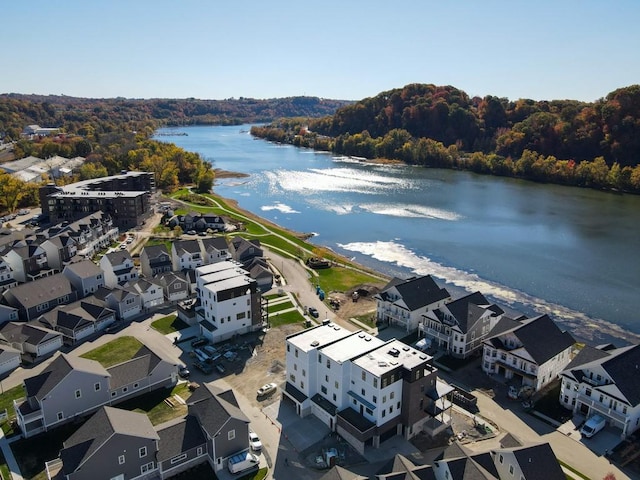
(74, 113)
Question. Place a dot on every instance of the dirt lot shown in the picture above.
(267, 364)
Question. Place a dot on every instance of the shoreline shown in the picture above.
(584, 330)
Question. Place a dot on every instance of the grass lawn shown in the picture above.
(341, 279)
(273, 296)
(367, 318)
(160, 241)
(169, 324)
(154, 405)
(259, 475)
(4, 468)
(6, 403)
(116, 351)
(284, 318)
(279, 307)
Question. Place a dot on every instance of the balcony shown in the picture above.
(601, 408)
(26, 412)
(430, 332)
(515, 368)
(53, 468)
(41, 261)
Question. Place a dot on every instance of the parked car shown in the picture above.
(199, 342)
(313, 312)
(184, 372)
(191, 232)
(200, 355)
(513, 392)
(210, 349)
(254, 441)
(593, 426)
(267, 389)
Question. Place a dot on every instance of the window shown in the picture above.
(301, 384)
(199, 451)
(60, 415)
(391, 395)
(335, 398)
(78, 393)
(295, 367)
(113, 394)
(326, 378)
(288, 347)
(292, 377)
(323, 389)
(391, 409)
(375, 382)
(240, 316)
(135, 385)
(231, 434)
(368, 410)
(501, 459)
(96, 387)
(125, 389)
(375, 399)
(142, 451)
(304, 372)
(363, 392)
(296, 353)
(179, 458)
(336, 384)
(384, 399)
(384, 413)
(328, 363)
(146, 468)
(364, 376)
(121, 460)
(511, 469)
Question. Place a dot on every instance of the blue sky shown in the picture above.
(346, 49)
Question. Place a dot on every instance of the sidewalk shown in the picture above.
(8, 455)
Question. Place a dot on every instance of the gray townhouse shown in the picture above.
(27, 259)
(243, 250)
(85, 276)
(7, 279)
(186, 255)
(32, 340)
(72, 387)
(61, 250)
(213, 430)
(175, 285)
(113, 443)
(8, 314)
(118, 268)
(215, 249)
(155, 259)
(125, 301)
(35, 298)
(9, 359)
(90, 233)
(79, 320)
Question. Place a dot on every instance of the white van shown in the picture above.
(593, 426)
(242, 461)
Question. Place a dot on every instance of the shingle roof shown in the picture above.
(40, 385)
(154, 251)
(102, 426)
(399, 463)
(466, 309)
(217, 243)
(188, 246)
(119, 257)
(139, 367)
(214, 407)
(538, 462)
(542, 338)
(623, 366)
(31, 333)
(339, 473)
(84, 269)
(42, 290)
(177, 437)
(419, 292)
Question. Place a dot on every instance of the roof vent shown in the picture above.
(315, 343)
(406, 349)
(336, 328)
(362, 336)
(367, 339)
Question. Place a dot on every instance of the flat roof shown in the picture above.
(318, 337)
(217, 267)
(389, 356)
(352, 347)
(228, 284)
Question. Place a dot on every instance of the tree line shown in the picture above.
(567, 142)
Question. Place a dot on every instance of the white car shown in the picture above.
(267, 389)
(254, 441)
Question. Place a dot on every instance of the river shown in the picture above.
(569, 252)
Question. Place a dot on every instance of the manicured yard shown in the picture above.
(154, 405)
(259, 475)
(341, 279)
(169, 324)
(116, 351)
(6, 403)
(273, 296)
(280, 306)
(293, 316)
(550, 406)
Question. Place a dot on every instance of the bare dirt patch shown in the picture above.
(266, 365)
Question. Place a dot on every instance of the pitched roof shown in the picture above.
(179, 436)
(40, 385)
(399, 463)
(42, 290)
(30, 333)
(217, 243)
(419, 292)
(140, 366)
(119, 257)
(186, 246)
(623, 366)
(466, 310)
(214, 407)
(154, 251)
(542, 338)
(101, 427)
(339, 473)
(84, 269)
(538, 462)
